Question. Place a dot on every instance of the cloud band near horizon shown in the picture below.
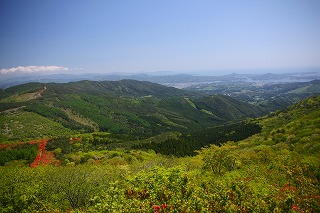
(34, 69)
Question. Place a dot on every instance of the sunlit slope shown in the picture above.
(23, 125)
(296, 128)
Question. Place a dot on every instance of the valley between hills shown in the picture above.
(137, 146)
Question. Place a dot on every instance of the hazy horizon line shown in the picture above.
(53, 70)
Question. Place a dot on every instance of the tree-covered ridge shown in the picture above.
(141, 109)
(128, 88)
(21, 89)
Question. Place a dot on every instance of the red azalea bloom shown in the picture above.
(295, 207)
(164, 206)
(156, 207)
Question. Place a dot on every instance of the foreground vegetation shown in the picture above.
(275, 170)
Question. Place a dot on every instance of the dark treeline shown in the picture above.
(25, 152)
(186, 144)
(63, 143)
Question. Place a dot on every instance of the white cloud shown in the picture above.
(34, 69)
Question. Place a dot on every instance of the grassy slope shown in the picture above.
(297, 127)
(23, 125)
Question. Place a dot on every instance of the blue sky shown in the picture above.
(152, 35)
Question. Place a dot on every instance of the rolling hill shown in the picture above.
(135, 108)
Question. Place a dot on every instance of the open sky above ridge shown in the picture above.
(117, 36)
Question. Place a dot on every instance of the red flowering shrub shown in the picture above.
(155, 207)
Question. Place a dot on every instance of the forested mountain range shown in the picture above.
(136, 108)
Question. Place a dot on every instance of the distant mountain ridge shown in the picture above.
(9, 80)
(126, 87)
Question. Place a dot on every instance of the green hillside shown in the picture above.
(276, 169)
(22, 125)
(139, 109)
(311, 88)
